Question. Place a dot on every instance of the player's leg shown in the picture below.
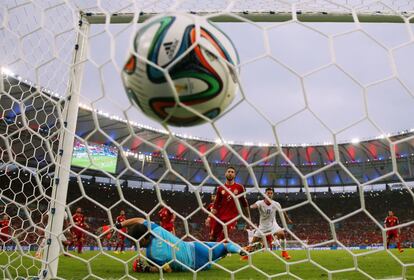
(66, 245)
(39, 251)
(388, 239)
(218, 251)
(116, 247)
(397, 240)
(230, 229)
(257, 243)
(280, 234)
(3, 243)
(388, 242)
(118, 244)
(80, 240)
(216, 232)
(73, 240)
(211, 230)
(276, 243)
(202, 253)
(122, 238)
(269, 240)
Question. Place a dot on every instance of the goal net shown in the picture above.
(322, 116)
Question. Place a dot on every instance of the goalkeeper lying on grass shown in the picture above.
(161, 247)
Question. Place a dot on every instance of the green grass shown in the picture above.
(378, 265)
(106, 163)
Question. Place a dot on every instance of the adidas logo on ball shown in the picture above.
(169, 48)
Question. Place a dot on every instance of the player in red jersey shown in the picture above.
(225, 207)
(167, 219)
(5, 230)
(121, 235)
(210, 222)
(77, 233)
(391, 221)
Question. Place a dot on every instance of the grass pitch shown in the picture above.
(108, 265)
(107, 163)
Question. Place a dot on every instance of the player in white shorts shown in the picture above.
(62, 236)
(268, 227)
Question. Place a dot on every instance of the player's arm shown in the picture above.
(244, 204)
(246, 212)
(84, 223)
(173, 217)
(289, 221)
(217, 201)
(129, 222)
(397, 223)
(255, 205)
(287, 218)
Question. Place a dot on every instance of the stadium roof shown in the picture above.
(367, 160)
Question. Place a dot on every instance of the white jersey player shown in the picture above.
(268, 226)
(62, 237)
(250, 235)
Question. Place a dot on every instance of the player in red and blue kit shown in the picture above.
(225, 207)
(391, 221)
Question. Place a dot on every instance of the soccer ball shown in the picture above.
(201, 70)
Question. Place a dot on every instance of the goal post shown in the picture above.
(57, 209)
(271, 16)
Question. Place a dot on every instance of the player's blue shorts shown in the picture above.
(202, 253)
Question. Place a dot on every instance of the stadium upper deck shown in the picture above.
(365, 160)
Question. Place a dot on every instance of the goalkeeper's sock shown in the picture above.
(283, 244)
(399, 246)
(388, 244)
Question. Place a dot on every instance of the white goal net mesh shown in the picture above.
(310, 72)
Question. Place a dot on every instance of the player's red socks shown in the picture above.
(79, 245)
(399, 247)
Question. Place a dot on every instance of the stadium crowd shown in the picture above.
(309, 225)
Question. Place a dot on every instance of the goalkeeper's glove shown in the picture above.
(140, 265)
(166, 268)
